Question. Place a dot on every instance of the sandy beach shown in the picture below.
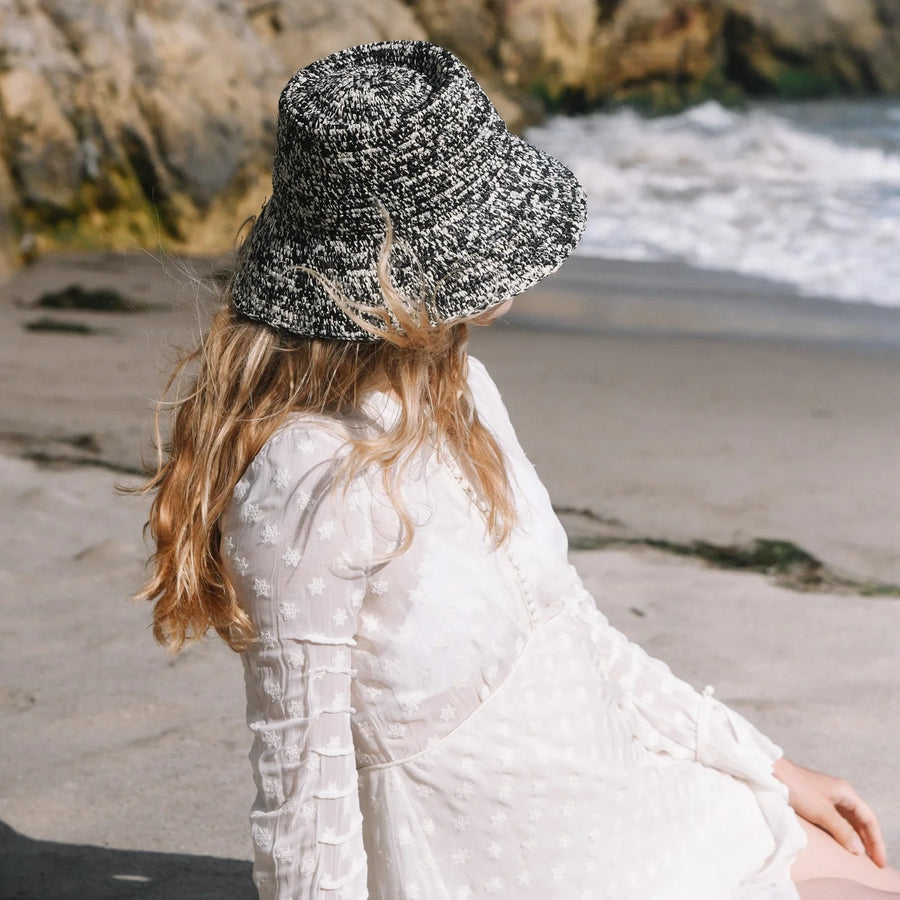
(662, 406)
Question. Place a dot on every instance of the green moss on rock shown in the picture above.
(805, 83)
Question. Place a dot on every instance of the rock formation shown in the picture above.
(809, 49)
(150, 122)
(574, 54)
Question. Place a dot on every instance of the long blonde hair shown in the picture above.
(247, 378)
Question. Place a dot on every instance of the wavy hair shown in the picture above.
(244, 379)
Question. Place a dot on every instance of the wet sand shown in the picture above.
(640, 400)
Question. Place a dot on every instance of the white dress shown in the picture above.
(460, 721)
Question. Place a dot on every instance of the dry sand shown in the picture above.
(123, 771)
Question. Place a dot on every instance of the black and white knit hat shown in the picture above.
(400, 127)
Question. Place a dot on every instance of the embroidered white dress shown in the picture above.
(460, 721)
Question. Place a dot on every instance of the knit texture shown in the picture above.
(401, 127)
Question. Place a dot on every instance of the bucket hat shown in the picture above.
(400, 128)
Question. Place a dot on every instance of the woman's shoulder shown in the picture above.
(483, 387)
(302, 442)
(301, 446)
(478, 374)
(310, 433)
(488, 401)
(299, 465)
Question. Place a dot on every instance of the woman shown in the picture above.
(438, 708)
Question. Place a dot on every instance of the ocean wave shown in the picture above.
(803, 193)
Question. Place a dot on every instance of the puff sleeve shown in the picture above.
(299, 553)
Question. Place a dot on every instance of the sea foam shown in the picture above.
(808, 194)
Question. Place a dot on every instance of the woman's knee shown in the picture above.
(840, 889)
(824, 859)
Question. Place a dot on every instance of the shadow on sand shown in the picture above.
(44, 870)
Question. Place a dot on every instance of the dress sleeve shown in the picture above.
(668, 714)
(299, 552)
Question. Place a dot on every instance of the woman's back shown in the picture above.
(422, 721)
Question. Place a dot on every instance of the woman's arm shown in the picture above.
(299, 554)
(667, 713)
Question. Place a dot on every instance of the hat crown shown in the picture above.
(348, 107)
(365, 96)
(368, 122)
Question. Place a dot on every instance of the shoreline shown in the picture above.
(597, 295)
(587, 295)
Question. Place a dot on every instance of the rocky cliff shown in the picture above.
(150, 122)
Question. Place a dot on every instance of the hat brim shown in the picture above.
(534, 216)
(503, 231)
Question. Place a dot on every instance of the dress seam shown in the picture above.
(513, 669)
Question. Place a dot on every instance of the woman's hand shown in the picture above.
(833, 805)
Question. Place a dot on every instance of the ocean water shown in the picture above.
(804, 193)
